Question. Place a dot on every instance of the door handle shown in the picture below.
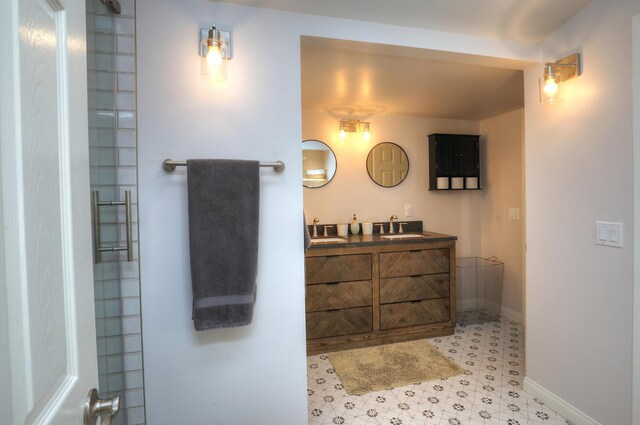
(98, 249)
(94, 407)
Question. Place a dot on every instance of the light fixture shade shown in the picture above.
(355, 126)
(551, 84)
(215, 51)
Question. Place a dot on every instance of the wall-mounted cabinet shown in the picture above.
(454, 162)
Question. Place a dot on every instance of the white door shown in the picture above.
(48, 359)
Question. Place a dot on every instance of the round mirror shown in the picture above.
(318, 163)
(387, 164)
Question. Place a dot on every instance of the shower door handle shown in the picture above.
(98, 249)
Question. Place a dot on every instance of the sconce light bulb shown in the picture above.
(551, 87)
(366, 135)
(214, 56)
(342, 134)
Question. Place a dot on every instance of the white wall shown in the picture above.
(502, 188)
(352, 191)
(255, 374)
(579, 170)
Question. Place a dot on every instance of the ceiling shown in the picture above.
(526, 21)
(359, 80)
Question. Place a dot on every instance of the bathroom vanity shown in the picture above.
(368, 290)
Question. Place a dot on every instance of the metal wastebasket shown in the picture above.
(479, 289)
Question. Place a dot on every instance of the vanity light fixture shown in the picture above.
(215, 50)
(355, 126)
(557, 72)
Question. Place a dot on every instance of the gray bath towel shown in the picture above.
(224, 203)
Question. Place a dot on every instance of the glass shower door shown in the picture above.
(113, 161)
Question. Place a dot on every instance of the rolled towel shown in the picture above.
(224, 199)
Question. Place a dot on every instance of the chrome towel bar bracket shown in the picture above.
(171, 164)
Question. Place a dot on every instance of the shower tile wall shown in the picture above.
(112, 143)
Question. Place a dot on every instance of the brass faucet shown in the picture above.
(393, 217)
(314, 234)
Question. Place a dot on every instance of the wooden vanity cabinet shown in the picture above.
(372, 294)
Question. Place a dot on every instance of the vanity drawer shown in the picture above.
(337, 268)
(410, 263)
(410, 288)
(339, 322)
(330, 296)
(414, 313)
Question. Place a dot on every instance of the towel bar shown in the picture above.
(171, 164)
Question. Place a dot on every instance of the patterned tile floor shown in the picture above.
(488, 393)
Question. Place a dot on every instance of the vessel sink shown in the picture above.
(403, 236)
(327, 240)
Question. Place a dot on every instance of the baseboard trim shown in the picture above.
(511, 314)
(560, 406)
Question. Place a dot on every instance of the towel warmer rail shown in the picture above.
(171, 164)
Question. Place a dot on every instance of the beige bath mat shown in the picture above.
(365, 370)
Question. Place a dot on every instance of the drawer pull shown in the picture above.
(416, 250)
(332, 283)
(333, 310)
(415, 276)
(415, 301)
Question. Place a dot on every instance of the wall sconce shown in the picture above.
(557, 72)
(355, 126)
(215, 50)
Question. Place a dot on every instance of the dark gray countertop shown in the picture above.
(376, 239)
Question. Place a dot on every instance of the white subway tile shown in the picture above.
(102, 365)
(104, 62)
(111, 289)
(126, 138)
(135, 416)
(113, 327)
(103, 23)
(127, 7)
(126, 175)
(133, 380)
(131, 325)
(126, 44)
(130, 288)
(106, 137)
(130, 307)
(112, 308)
(126, 157)
(114, 345)
(134, 398)
(104, 80)
(125, 26)
(126, 119)
(133, 361)
(115, 364)
(132, 343)
(126, 82)
(115, 382)
(123, 63)
(100, 312)
(104, 43)
(105, 157)
(125, 101)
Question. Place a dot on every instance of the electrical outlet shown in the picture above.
(514, 213)
(408, 210)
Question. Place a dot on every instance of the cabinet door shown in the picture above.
(464, 153)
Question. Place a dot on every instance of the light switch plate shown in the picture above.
(514, 213)
(609, 234)
(408, 210)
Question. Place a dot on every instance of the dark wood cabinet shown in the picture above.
(378, 293)
(454, 161)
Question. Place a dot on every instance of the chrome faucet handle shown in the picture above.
(393, 217)
(381, 228)
(315, 229)
(325, 230)
(400, 229)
